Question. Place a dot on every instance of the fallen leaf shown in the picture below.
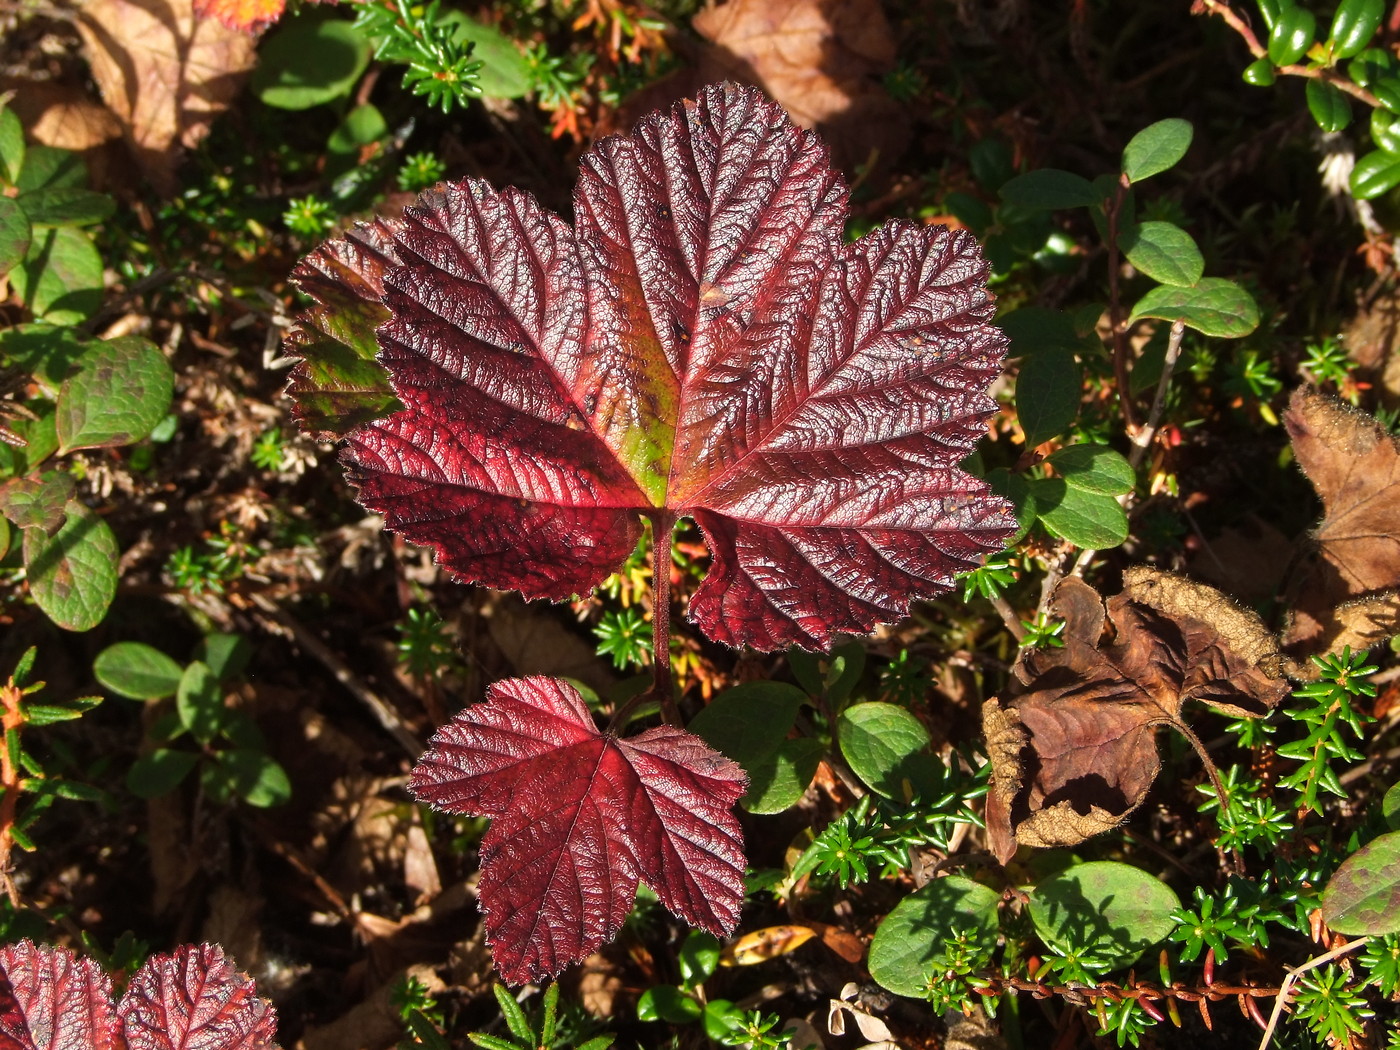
(1347, 594)
(704, 344)
(164, 73)
(819, 59)
(63, 116)
(245, 16)
(768, 943)
(1076, 753)
(578, 817)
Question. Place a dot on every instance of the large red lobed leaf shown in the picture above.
(701, 342)
(192, 999)
(579, 817)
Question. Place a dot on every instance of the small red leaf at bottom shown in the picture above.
(194, 999)
(57, 1001)
(579, 818)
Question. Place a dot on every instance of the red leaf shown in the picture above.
(704, 342)
(58, 1001)
(194, 999)
(579, 817)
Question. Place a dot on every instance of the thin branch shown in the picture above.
(1142, 440)
(663, 524)
(1115, 307)
(1282, 998)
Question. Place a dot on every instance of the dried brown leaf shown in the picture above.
(164, 73)
(819, 59)
(1354, 463)
(1076, 753)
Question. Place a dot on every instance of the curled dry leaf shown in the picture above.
(191, 999)
(578, 817)
(702, 343)
(1076, 753)
(1349, 593)
(164, 73)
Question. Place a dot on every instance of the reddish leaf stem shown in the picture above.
(13, 719)
(1120, 337)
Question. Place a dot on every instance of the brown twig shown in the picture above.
(1281, 1000)
(1115, 307)
(13, 718)
(1142, 440)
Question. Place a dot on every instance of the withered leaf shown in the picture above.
(1348, 592)
(164, 73)
(1076, 753)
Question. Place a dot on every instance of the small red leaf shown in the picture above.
(194, 999)
(702, 342)
(60, 1001)
(579, 817)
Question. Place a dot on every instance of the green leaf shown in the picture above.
(1370, 65)
(11, 145)
(1163, 251)
(1385, 130)
(1086, 519)
(4, 537)
(831, 675)
(122, 389)
(1363, 895)
(879, 741)
(1213, 306)
(1291, 35)
(309, 61)
(1390, 808)
(37, 502)
(1034, 328)
(1094, 468)
(1016, 488)
(48, 714)
(362, 126)
(1156, 148)
(1048, 389)
(1259, 73)
(1049, 189)
(158, 773)
(748, 722)
(15, 234)
(1375, 173)
(200, 701)
(698, 957)
(45, 351)
(1354, 25)
(40, 441)
(60, 279)
(910, 940)
(1329, 107)
(73, 574)
(50, 168)
(504, 73)
(1387, 90)
(254, 777)
(1114, 909)
(779, 779)
(137, 671)
(664, 1003)
(67, 206)
(225, 654)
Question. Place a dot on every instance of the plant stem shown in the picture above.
(1120, 337)
(1142, 440)
(13, 719)
(663, 524)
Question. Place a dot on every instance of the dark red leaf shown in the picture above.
(57, 1001)
(194, 999)
(579, 817)
(705, 342)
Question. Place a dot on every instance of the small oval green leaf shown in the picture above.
(137, 671)
(1156, 148)
(1354, 25)
(1363, 896)
(1163, 251)
(1048, 189)
(15, 234)
(1375, 173)
(121, 390)
(1048, 389)
(1291, 36)
(158, 773)
(60, 279)
(1094, 468)
(1212, 306)
(1259, 73)
(310, 60)
(73, 574)
(1086, 519)
(878, 740)
(1329, 107)
(910, 941)
(1114, 909)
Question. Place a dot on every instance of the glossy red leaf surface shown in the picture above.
(191, 999)
(702, 340)
(57, 1001)
(578, 817)
(195, 999)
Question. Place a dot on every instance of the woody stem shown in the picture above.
(663, 523)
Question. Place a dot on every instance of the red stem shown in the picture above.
(663, 524)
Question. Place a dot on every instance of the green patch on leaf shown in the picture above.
(1163, 251)
(137, 671)
(1363, 896)
(1048, 389)
(15, 235)
(1112, 909)
(121, 390)
(1156, 148)
(880, 742)
(1093, 468)
(73, 574)
(1213, 306)
(911, 939)
(1085, 518)
(60, 279)
(1050, 189)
